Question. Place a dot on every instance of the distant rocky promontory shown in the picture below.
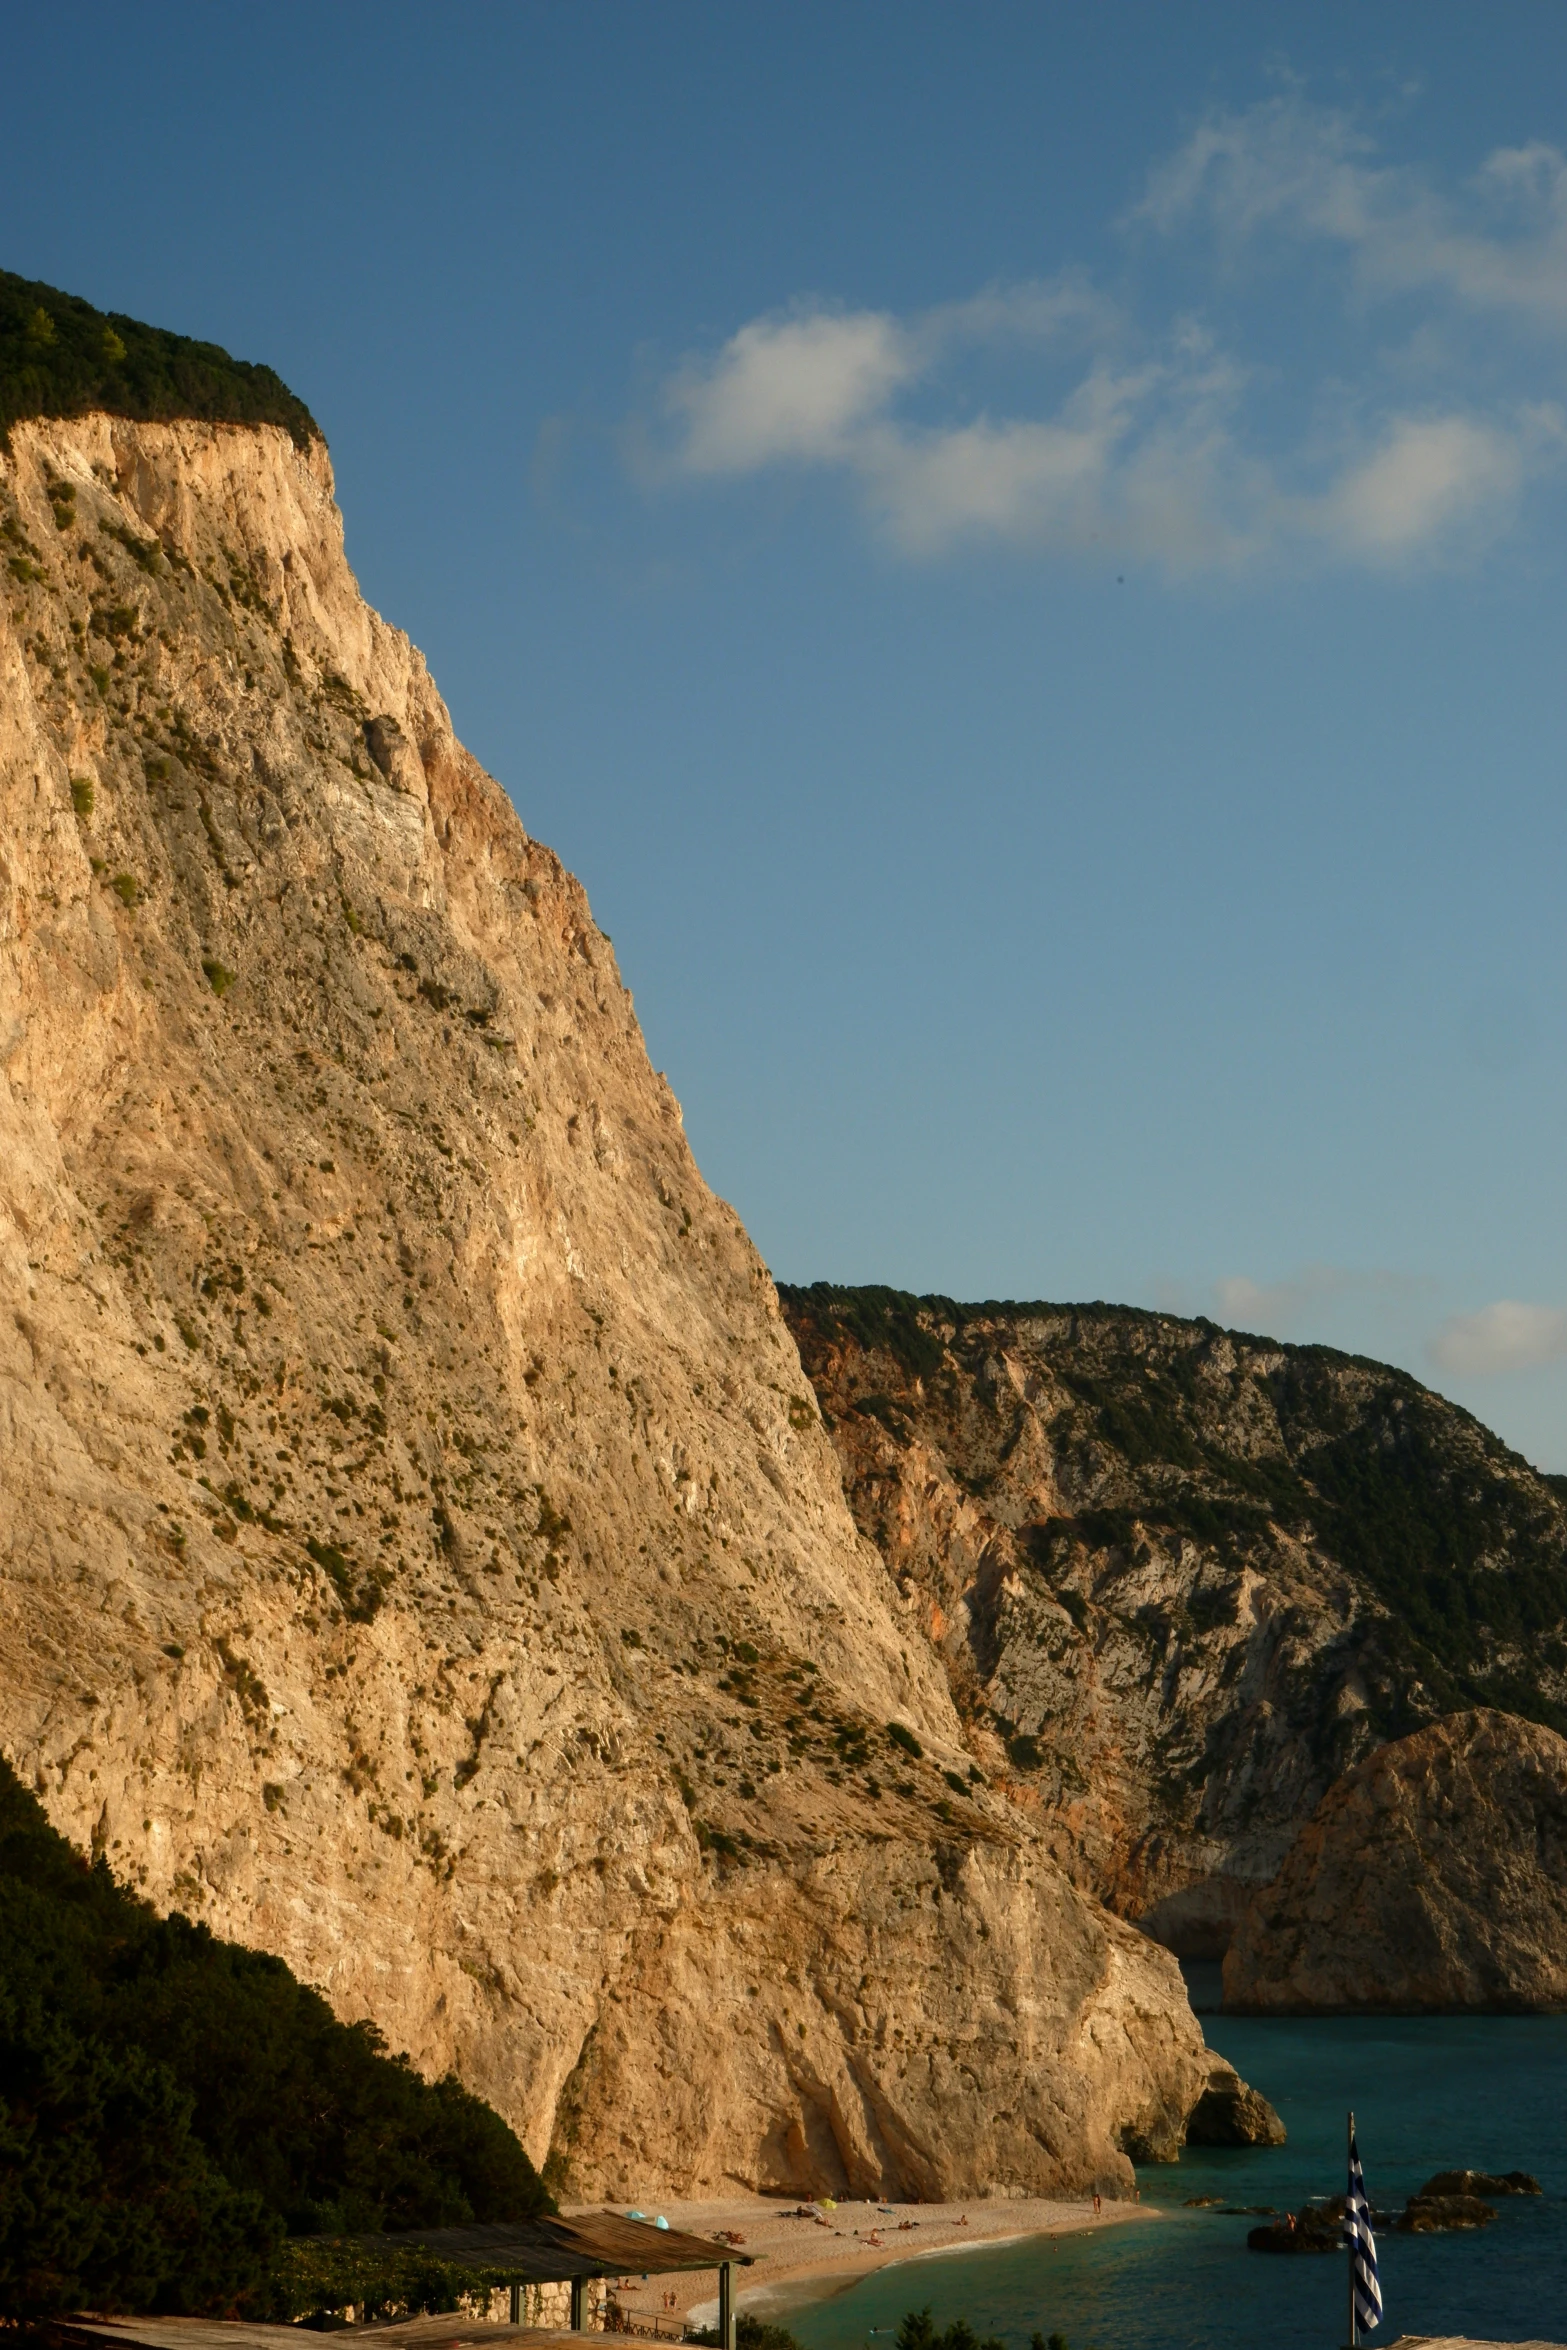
(1231, 2113)
(1183, 1578)
(1433, 1876)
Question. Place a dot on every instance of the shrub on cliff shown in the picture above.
(917, 2332)
(172, 2106)
(751, 2333)
(61, 357)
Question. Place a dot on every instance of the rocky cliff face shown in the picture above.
(420, 1552)
(1182, 1578)
(1434, 1875)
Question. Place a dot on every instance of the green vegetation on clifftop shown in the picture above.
(1457, 1537)
(61, 357)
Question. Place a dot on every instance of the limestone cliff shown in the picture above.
(1434, 1875)
(1181, 1578)
(420, 1551)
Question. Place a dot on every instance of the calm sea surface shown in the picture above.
(1429, 2093)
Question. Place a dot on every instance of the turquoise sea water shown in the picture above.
(1429, 2093)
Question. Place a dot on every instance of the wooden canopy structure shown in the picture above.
(551, 2251)
(543, 2251)
(449, 2332)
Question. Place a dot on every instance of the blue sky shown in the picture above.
(1018, 552)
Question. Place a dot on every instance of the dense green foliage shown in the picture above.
(751, 2333)
(61, 357)
(1459, 1539)
(376, 2276)
(886, 1321)
(917, 2332)
(173, 2106)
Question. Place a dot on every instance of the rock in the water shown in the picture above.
(1316, 2229)
(1480, 2182)
(1427, 2215)
(1228, 2113)
(1434, 1876)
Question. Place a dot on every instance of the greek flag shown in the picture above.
(1365, 2292)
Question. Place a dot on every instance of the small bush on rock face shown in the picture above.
(362, 1601)
(82, 795)
(146, 554)
(219, 978)
(905, 1739)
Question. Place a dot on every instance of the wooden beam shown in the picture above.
(726, 2305)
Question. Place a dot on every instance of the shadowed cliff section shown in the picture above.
(61, 357)
(1182, 1577)
(173, 2105)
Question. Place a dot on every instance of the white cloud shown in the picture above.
(1140, 462)
(1506, 1336)
(1282, 161)
(1261, 1305)
(1044, 480)
(1064, 309)
(1135, 446)
(789, 388)
(1274, 1305)
(1430, 479)
(1310, 171)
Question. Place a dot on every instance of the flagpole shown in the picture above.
(1348, 2152)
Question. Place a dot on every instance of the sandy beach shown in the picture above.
(839, 2245)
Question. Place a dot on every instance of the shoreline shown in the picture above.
(799, 2259)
